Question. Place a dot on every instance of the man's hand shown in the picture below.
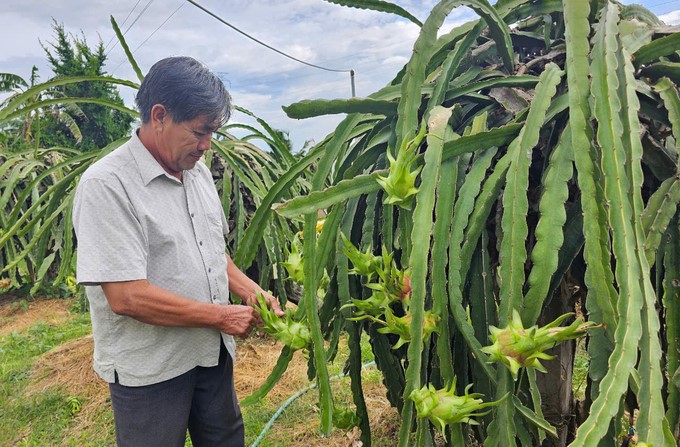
(238, 320)
(246, 289)
(272, 302)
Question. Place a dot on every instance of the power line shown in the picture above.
(132, 24)
(124, 21)
(159, 27)
(152, 33)
(264, 44)
(662, 3)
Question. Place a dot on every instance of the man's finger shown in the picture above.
(274, 304)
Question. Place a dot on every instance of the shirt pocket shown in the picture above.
(216, 234)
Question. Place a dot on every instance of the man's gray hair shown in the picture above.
(186, 88)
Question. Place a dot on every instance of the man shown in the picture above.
(152, 255)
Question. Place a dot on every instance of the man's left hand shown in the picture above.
(271, 300)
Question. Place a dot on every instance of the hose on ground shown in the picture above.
(292, 399)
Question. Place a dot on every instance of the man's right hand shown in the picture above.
(238, 320)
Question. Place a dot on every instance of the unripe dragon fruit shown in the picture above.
(365, 264)
(294, 265)
(394, 285)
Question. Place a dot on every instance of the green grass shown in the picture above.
(53, 417)
(43, 417)
(580, 372)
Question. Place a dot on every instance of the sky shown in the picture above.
(375, 45)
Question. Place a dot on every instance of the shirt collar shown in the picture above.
(148, 167)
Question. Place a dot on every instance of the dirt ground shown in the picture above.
(19, 315)
(69, 367)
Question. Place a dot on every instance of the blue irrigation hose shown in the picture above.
(290, 400)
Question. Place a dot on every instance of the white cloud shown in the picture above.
(395, 60)
(13, 24)
(671, 18)
(251, 101)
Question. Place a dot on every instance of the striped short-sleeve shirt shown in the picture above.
(134, 221)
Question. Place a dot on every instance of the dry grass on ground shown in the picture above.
(69, 369)
(256, 358)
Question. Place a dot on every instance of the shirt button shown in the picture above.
(200, 242)
(192, 215)
(209, 270)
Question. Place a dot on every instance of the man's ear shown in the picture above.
(158, 116)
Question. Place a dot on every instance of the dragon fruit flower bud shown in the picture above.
(401, 326)
(294, 334)
(517, 347)
(443, 407)
(400, 182)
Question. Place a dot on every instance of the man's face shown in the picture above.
(183, 144)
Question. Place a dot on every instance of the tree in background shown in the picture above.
(99, 125)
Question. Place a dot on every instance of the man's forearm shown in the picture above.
(150, 304)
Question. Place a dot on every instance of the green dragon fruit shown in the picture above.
(294, 265)
(365, 264)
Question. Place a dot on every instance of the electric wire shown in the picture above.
(264, 44)
(151, 35)
(662, 3)
(665, 7)
(132, 24)
(124, 21)
(159, 26)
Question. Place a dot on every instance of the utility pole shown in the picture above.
(351, 77)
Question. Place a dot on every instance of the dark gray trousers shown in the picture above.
(202, 400)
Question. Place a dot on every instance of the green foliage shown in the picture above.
(538, 180)
(538, 156)
(99, 125)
